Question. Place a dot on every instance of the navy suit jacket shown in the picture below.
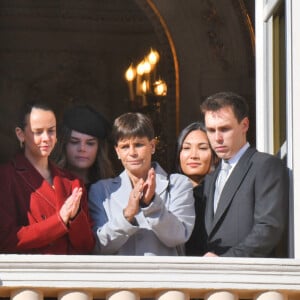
(252, 211)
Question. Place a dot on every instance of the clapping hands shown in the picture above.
(141, 194)
(71, 206)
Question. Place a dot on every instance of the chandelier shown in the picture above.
(147, 92)
(145, 87)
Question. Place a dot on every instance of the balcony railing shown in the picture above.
(33, 277)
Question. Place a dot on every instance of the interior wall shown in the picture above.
(214, 49)
(68, 52)
(77, 51)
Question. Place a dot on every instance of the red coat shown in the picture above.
(29, 212)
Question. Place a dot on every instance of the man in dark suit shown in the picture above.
(249, 216)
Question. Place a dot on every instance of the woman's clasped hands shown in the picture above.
(70, 208)
(141, 195)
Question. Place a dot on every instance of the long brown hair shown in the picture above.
(101, 168)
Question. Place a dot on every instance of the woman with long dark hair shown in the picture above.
(195, 159)
(43, 208)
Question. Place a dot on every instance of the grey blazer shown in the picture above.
(161, 228)
(252, 210)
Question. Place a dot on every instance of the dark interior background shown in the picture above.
(66, 52)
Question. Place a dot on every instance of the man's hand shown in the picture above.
(210, 254)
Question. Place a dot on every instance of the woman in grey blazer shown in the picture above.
(143, 211)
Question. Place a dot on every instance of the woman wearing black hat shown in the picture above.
(82, 146)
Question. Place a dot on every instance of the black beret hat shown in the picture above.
(85, 119)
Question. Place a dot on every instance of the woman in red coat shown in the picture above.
(43, 209)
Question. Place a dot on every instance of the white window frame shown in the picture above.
(264, 99)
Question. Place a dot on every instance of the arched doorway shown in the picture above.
(78, 51)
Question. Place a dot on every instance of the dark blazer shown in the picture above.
(252, 210)
(29, 212)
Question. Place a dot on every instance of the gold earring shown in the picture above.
(21, 144)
